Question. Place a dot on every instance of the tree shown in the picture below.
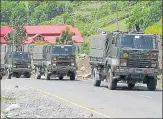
(65, 37)
(154, 14)
(17, 36)
(155, 29)
(19, 15)
(58, 40)
(6, 11)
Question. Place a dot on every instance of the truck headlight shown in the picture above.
(14, 66)
(72, 64)
(54, 64)
(29, 66)
(123, 62)
(154, 64)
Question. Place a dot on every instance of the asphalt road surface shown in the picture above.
(120, 103)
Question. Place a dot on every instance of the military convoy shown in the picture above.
(60, 61)
(18, 63)
(124, 57)
(115, 56)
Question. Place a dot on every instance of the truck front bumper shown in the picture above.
(136, 71)
(21, 70)
(63, 69)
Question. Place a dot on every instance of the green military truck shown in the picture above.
(60, 61)
(18, 63)
(127, 57)
(2, 73)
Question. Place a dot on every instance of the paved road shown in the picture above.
(120, 103)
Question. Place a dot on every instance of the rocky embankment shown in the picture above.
(84, 68)
(21, 102)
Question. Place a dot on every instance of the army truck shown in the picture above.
(18, 63)
(60, 61)
(2, 73)
(124, 57)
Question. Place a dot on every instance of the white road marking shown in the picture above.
(148, 97)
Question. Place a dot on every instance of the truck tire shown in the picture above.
(112, 82)
(0, 77)
(27, 75)
(96, 78)
(152, 83)
(60, 77)
(8, 74)
(18, 75)
(72, 76)
(47, 76)
(131, 86)
(38, 76)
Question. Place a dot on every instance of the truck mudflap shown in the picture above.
(132, 71)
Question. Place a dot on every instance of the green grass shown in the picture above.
(113, 27)
(7, 98)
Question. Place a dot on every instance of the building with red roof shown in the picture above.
(4, 31)
(50, 32)
(43, 34)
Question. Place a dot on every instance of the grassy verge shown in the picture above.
(7, 98)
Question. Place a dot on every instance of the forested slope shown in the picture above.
(86, 15)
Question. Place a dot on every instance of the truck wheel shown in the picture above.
(27, 75)
(112, 83)
(131, 86)
(0, 77)
(47, 76)
(152, 83)
(8, 74)
(17, 75)
(96, 78)
(38, 76)
(60, 77)
(91, 73)
(72, 76)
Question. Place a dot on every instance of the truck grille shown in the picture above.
(21, 66)
(139, 63)
(137, 55)
(63, 63)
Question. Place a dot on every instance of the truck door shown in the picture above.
(113, 46)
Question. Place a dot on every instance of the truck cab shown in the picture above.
(127, 57)
(61, 61)
(18, 63)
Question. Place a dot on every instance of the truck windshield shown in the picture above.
(137, 42)
(20, 56)
(62, 50)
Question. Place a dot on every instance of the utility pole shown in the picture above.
(117, 16)
(13, 40)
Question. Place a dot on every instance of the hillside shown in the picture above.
(86, 15)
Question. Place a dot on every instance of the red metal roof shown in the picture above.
(46, 29)
(51, 39)
(49, 32)
(3, 41)
(78, 39)
(4, 30)
(28, 40)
